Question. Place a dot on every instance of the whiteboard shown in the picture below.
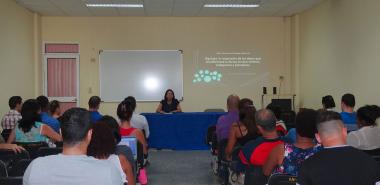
(144, 74)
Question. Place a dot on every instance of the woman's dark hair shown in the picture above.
(53, 106)
(368, 114)
(132, 100)
(247, 113)
(29, 113)
(306, 123)
(328, 102)
(166, 93)
(114, 126)
(125, 110)
(102, 143)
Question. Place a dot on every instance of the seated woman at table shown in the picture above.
(169, 104)
(124, 112)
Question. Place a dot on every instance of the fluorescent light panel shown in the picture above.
(115, 5)
(231, 5)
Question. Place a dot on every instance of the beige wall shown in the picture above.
(268, 38)
(339, 44)
(17, 54)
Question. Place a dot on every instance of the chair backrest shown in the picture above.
(254, 176)
(282, 179)
(18, 169)
(3, 169)
(10, 180)
(131, 142)
(45, 151)
(10, 157)
(214, 110)
(33, 147)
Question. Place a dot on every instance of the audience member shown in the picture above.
(55, 109)
(348, 114)
(124, 112)
(280, 125)
(93, 107)
(73, 166)
(120, 149)
(103, 147)
(45, 116)
(29, 128)
(138, 121)
(328, 103)
(169, 104)
(287, 158)
(5, 146)
(337, 163)
(368, 135)
(225, 122)
(10, 119)
(243, 130)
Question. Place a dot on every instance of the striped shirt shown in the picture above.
(10, 119)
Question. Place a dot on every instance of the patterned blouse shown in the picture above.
(293, 158)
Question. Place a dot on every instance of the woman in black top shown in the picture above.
(169, 104)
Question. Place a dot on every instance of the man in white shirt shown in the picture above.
(137, 120)
(73, 166)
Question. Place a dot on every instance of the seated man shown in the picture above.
(255, 153)
(93, 107)
(337, 163)
(73, 166)
(137, 120)
(225, 122)
(348, 114)
(10, 119)
(45, 116)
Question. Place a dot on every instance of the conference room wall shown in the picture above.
(18, 54)
(270, 37)
(339, 51)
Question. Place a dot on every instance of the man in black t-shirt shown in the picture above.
(337, 164)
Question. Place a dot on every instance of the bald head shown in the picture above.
(233, 102)
(266, 119)
(331, 130)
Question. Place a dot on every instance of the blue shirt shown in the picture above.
(95, 116)
(348, 118)
(49, 120)
(292, 135)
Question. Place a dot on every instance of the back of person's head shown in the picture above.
(94, 102)
(30, 114)
(132, 100)
(233, 102)
(247, 113)
(306, 121)
(266, 120)
(349, 100)
(367, 115)
(75, 125)
(275, 109)
(166, 94)
(125, 111)
(44, 103)
(14, 101)
(102, 143)
(330, 125)
(328, 102)
(54, 106)
(114, 126)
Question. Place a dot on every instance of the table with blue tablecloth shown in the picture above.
(180, 131)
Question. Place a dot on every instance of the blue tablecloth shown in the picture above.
(180, 131)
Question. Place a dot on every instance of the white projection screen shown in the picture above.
(144, 74)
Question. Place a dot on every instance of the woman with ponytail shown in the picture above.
(124, 112)
(29, 128)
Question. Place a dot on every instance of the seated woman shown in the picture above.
(103, 146)
(55, 109)
(30, 129)
(287, 158)
(169, 104)
(124, 112)
(368, 135)
(245, 130)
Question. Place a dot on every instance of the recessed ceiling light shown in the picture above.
(115, 5)
(231, 5)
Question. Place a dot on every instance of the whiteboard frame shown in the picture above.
(117, 101)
